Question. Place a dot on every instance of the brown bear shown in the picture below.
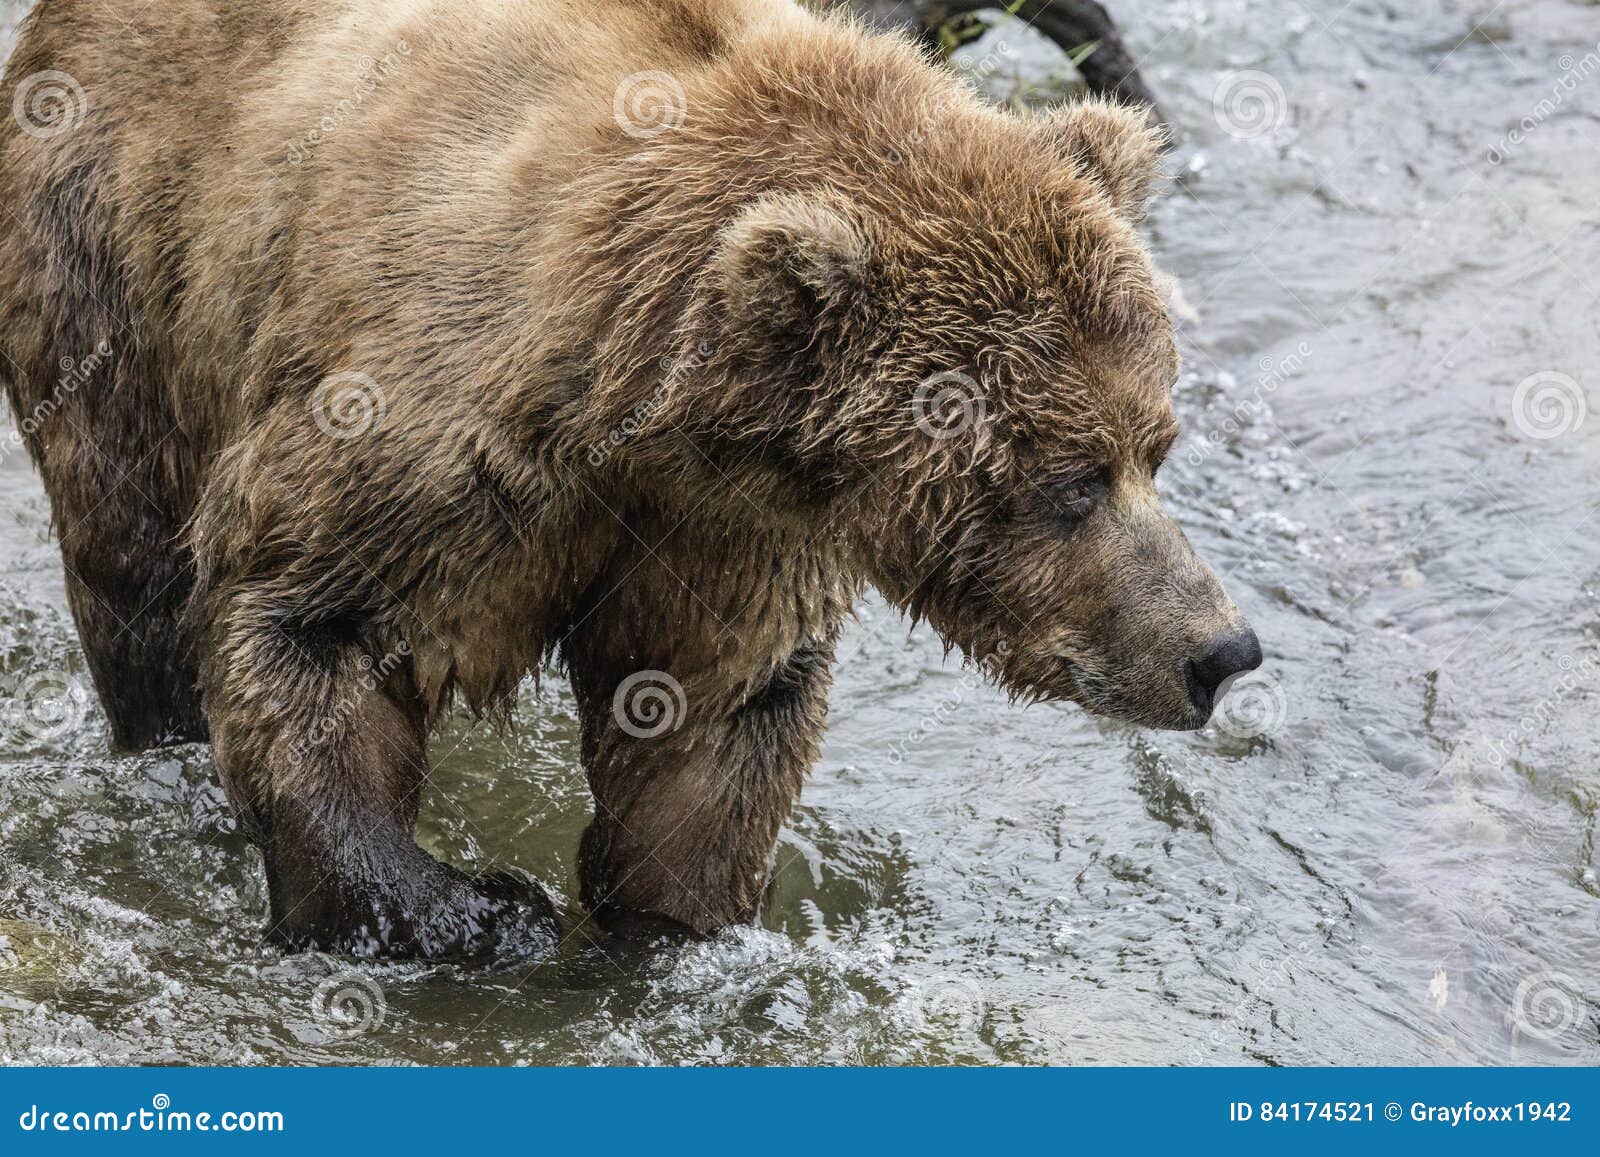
(447, 339)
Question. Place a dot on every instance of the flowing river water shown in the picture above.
(1384, 233)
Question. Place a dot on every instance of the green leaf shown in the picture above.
(1082, 53)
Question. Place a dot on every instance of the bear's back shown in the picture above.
(277, 177)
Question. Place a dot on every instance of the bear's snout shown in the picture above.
(1228, 655)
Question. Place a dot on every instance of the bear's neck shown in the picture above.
(801, 105)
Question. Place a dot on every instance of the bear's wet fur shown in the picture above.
(450, 339)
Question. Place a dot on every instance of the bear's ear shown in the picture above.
(1115, 145)
(787, 261)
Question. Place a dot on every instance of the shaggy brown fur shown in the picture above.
(646, 397)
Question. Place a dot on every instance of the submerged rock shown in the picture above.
(33, 960)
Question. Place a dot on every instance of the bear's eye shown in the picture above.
(1162, 448)
(1067, 501)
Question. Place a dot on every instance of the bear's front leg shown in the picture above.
(322, 748)
(692, 780)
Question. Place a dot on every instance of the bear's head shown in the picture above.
(960, 361)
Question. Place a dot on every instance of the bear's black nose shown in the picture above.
(1223, 658)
